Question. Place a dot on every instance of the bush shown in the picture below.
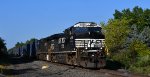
(142, 70)
(143, 61)
(124, 57)
(136, 55)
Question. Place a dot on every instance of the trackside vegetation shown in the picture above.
(128, 39)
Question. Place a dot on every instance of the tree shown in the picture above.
(128, 38)
(31, 40)
(137, 16)
(3, 48)
(144, 36)
(120, 29)
(116, 33)
(117, 14)
(18, 44)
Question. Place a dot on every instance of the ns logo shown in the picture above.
(93, 43)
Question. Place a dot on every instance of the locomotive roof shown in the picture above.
(84, 24)
(54, 36)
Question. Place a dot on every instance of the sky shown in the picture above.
(21, 20)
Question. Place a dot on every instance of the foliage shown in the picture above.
(138, 41)
(143, 61)
(137, 16)
(144, 36)
(142, 65)
(123, 57)
(128, 38)
(31, 40)
(18, 44)
(116, 33)
(139, 48)
(3, 48)
(142, 70)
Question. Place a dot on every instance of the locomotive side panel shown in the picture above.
(42, 49)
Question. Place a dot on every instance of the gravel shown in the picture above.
(48, 69)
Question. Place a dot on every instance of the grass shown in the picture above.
(4, 61)
(142, 70)
(2, 67)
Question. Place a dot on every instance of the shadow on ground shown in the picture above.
(17, 60)
(8, 60)
(16, 72)
(113, 65)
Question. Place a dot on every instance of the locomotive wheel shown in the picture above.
(103, 63)
(68, 59)
(53, 58)
(71, 59)
(85, 63)
(38, 57)
(74, 60)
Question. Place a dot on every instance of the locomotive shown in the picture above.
(81, 44)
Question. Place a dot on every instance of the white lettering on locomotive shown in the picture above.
(87, 43)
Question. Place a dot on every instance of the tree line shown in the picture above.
(18, 44)
(128, 38)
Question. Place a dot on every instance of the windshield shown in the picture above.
(94, 29)
(87, 29)
(81, 30)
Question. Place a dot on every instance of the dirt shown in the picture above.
(48, 69)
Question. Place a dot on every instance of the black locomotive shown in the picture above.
(81, 44)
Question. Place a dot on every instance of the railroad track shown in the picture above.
(106, 72)
(61, 70)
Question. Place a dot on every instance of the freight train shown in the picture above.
(82, 44)
(26, 51)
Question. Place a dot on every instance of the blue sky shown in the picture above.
(21, 20)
